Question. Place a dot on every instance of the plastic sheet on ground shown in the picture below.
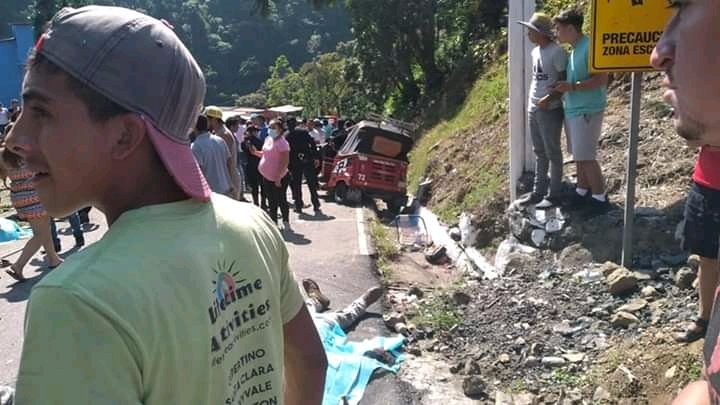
(11, 231)
(349, 370)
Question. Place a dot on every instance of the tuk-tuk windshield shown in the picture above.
(372, 138)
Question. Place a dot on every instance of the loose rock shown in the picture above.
(504, 358)
(623, 319)
(7, 395)
(608, 268)
(601, 394)
(552, 361)
(693, 262)
(532, 361)
(393, 319)
(474, 387)
(575, 256)
(574, 357)
(648, 291)
(416, 291)
(460, 298)
(633, 306)
(621, 281)
(684, 278)
(670, 373)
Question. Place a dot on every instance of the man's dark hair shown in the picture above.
(232, 121)
(99, 107)
(202, 123)
(572, 17)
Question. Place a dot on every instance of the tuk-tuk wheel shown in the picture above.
(340, 193)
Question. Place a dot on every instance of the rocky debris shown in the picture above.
(574, 357)
(670, 373)
(623, 319)
(455, 234)
(436, 255)
(693, 262)
(392, 319)
(523, 398)
(474, 387)
(461, 298)
(608, 268)
(648, 291)
(7, 395)
(416, 291)
(575, 257)
(684, 278)
(633, 306)
(623, 383)
(621, 281)
(566, 328)
(552, 361)
(504, 358)
(601, 395)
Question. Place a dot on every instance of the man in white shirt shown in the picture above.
(4, 118)
(315, 132)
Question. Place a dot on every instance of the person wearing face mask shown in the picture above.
(274, 160)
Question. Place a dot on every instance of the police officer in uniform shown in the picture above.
(304, 161)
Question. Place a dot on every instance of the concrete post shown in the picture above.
(519, 68)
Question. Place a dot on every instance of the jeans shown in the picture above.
(545, 131)
(74, 224)
(310, 172)
(277, 198)
(345, 318)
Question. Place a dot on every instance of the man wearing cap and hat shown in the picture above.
(217, 126)
(545, 112)
(188, 293)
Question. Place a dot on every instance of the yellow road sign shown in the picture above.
(624, 33)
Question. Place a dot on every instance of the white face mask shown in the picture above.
(273, 133)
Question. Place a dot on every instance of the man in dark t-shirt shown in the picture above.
(304, 161)
(687, 52)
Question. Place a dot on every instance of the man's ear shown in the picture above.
(129, 132)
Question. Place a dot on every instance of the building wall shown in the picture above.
(13, 56)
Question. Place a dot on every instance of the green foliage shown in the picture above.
(438, 312)
(231, 41)
(385, 246)
(566, 378)
(253, 100)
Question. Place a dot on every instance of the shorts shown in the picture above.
(701, 230)
(583, 133)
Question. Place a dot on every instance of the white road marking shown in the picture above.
(362, 237)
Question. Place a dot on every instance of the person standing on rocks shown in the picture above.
(688, 53)
(545, 112)
(188, 293)
(585, 99)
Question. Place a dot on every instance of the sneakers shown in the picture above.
(372, 295)
(529, 199)
(597, 207)
(548, 203)
(577, 201)
(313, 291)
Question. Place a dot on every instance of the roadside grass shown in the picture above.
(385, 247)
(438, 312)
(566, 378)
(486, 103)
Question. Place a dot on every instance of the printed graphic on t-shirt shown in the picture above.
(538, 71)
(239, 309)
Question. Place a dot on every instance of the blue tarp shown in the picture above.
(10, 231)
(349, 370)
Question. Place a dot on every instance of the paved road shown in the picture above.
(332, 249)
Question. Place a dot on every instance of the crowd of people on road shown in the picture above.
(265, 159)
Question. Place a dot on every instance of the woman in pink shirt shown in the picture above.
(273, 167)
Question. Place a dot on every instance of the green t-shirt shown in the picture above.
(180, 303)
(582, 102)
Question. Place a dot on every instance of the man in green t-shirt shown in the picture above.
(188, 298)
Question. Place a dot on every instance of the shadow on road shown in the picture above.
(316, 217)
(291, 236)
(20, 291)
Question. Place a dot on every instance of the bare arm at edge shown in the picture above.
(696, 393)
(305, 361)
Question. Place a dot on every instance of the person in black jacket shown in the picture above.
(254, 181)
(304, 161)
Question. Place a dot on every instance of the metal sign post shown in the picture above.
(631, 168)
(624, 33)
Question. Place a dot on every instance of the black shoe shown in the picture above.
(79, 242)
(298, 210)
(597, 207)
(577, 201)
(58, 248)
(529, 199)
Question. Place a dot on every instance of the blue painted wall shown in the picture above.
(13, 55)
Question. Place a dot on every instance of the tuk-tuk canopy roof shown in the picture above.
(375, 138)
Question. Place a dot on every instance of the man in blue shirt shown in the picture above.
(585, 99)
